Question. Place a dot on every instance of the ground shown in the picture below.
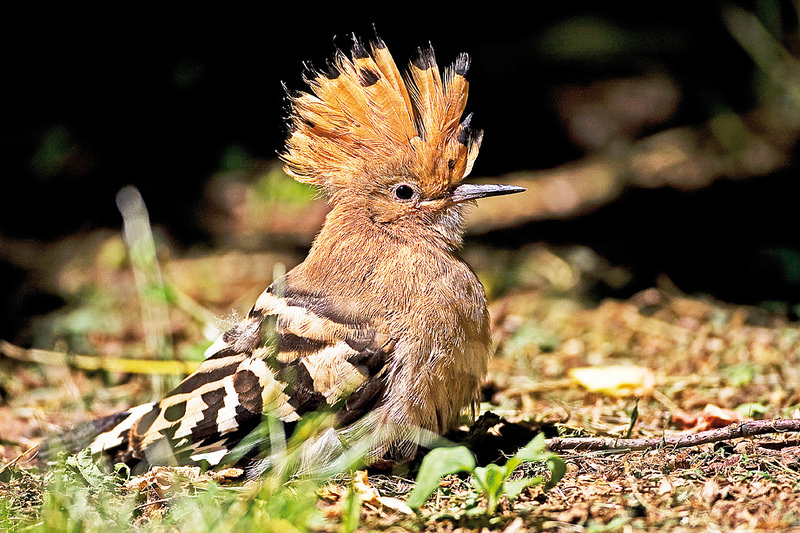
(658, 363)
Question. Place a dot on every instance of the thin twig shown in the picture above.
(89, 362)
(733, 431)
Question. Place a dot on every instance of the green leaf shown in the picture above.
(535, 450)
(85, 469)
(439, 462)
(490, 480)
(514, 487)
(557, 468)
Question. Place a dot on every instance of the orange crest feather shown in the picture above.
(363, 119)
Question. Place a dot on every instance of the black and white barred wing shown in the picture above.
(293, 354)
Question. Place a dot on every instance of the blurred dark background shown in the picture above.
(164, 99)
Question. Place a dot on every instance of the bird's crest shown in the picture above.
(362, 118)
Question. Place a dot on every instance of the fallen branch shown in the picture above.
(733, 431)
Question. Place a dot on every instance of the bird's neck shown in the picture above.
(353, 255)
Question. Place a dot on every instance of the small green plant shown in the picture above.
(79, 496)
(493, 480)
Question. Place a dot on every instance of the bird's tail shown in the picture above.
(107, 436)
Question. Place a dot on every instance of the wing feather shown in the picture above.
(293, 353)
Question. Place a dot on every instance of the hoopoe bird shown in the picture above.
(383, 324)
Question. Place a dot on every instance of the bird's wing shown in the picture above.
(294, 353)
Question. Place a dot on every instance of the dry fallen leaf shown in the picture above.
(370, 495)
(615, 380)
(710, 417)
(367, 494)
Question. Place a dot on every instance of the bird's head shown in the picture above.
(389, 147)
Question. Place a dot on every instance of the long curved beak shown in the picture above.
(470, 191)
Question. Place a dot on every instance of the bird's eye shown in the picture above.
(403, 192)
